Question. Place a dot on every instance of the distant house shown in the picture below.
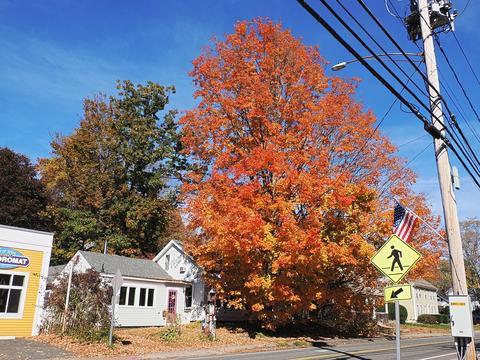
(171, 282)
(424, 300)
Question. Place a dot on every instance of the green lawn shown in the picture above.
(430, 326)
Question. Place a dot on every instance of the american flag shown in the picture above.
(403, 222)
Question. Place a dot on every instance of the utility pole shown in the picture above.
(457, 266)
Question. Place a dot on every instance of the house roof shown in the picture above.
(109, 264)
(171, 243)
(423, 284)
(54, 271)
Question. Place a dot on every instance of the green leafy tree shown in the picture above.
(114, 178)
(470, 230)
(22, 196)
(470, 233)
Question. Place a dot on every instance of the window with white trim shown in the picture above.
(146, 297)
(127, 296)
(150, 297)
(12, 290)
(188, 296)
(167, 262)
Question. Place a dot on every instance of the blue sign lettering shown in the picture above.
(11, 259)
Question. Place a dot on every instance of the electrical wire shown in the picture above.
(464, 8)
(362, 42)
(456, 77)
(385, 83)
(388, 9)
(466, 57)
(370, 13)
(412, 141)
(380, 25)
(451, 95)
(418, 154)
(354, 158)
(380, 46)
(437, 40)
(445, 85)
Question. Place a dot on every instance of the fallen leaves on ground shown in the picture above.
(137, 341)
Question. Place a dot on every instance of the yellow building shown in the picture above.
(24, 261)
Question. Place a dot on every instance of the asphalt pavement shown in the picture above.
(26, 349)
(440, 347)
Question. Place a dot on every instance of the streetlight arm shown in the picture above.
(343, 64)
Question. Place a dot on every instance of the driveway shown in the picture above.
(24, 349)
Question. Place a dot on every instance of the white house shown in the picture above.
(170, 283)
(423, 301)
(173, 259)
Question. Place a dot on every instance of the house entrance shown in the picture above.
(172, 301)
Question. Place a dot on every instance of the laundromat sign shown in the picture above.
(11, 259)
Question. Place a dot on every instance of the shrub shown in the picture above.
(88, 314)
(428, 319)
(445, 310)
(444, 319)
(170, 334)
(433, 319)
(403, 313)
(173, 327)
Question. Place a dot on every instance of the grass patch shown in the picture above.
(429, 326)
(301, 343)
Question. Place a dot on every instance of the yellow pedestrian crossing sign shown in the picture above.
(395, 258)
(398, 292)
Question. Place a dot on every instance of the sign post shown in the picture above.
(397, 328)
(117, 282)
(395, 259)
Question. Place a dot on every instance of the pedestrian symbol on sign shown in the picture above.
(397, 254)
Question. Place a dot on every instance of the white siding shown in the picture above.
(181, 267)
(136, 315)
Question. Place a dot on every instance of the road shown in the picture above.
(433, 348)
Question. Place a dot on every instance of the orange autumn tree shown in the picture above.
(292, 188)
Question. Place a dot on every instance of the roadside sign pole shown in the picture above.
(110, 335)
(397, 327)
(117, 282)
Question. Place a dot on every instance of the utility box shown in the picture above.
(461, 316)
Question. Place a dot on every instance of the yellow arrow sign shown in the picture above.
(398, 292)
(395, 258)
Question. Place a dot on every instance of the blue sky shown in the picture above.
(55, 53)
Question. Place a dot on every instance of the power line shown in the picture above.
(370, 13)
(464, 8)
(452, 69)
(360, 40)
(444, 83)
(379, 46)
(389, 11)
(466, 57)
(377, 126)
(418, 154)
(457, 78)
(428, 127)
(413, 140)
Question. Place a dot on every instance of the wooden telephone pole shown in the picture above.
(452, 226)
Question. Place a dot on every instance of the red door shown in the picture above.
(172, 301)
